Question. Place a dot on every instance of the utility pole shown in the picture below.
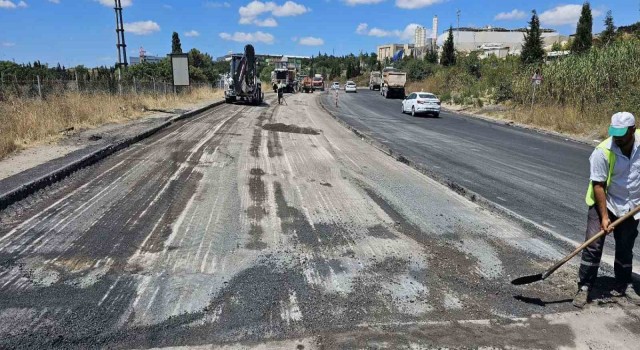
(458, 30)
(121, 45)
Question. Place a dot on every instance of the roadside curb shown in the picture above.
(470, 195)
(25, 190)
(525, 127)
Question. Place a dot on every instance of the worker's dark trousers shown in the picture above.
(625, 235)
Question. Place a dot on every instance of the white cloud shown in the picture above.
(110, 3)
(416, 4)
(142, 27)
(250, 12)
(508, 16)
(249, 37)
(269, 22)
(192, 33)
(55, 1)
(289, 8)
(565, 14)
(8, 44)
(407, 33)
(217, 4)
(362, 28)
(379, 32)
(8, 4)
(311, 41)
(362, 2)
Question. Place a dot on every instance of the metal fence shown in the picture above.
(42, 88)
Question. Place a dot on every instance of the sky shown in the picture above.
(73, 32)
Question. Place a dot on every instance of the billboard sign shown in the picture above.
(180, 69)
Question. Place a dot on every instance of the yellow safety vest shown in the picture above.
(611, 156)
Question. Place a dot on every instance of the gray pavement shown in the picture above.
(540, 177)
(271, 227)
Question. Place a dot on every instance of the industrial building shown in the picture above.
(496, 40)
(144, 58)
(422, 44)
(388, 51)
(133, 60)
(264, 57)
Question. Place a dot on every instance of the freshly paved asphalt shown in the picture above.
(540, 177)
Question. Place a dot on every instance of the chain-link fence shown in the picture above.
(42, 87)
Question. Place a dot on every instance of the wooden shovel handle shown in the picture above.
(589, 241)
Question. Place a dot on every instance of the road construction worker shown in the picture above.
(281, 87)
(613, 191)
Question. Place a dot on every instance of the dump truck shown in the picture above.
(242, 83)
(393, 81)
(318, 82)
(307, 84)
(375, 81)
(286, 76)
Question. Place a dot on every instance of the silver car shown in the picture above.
(421, 103)
(350, 86)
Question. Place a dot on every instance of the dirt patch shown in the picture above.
(257, 172)
(452, 272)
(280, 127)
(256, 232)
(293, 222)
(257, 190)
(274, 146)
(256, 212)
(326, 184)
(255, 143)
(380, 231)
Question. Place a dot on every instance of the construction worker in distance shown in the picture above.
(613, 191)
(281, 87)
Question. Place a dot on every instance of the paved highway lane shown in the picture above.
(540, 177)
(275, 226)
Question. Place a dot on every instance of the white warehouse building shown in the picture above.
(481, 39)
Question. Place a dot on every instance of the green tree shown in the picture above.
(418, 69)
(584, 35)
(532, 51)
(609, 33)
(176, 46)
(431, 56)
(556, 46)
(265, 73)
(351, 71)
(448, 57)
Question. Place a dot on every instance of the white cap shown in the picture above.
(620, 122)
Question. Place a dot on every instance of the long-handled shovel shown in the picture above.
(552, 269)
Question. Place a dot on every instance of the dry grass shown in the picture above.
(563, 119)
(25, 122)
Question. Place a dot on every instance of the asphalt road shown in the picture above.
(540, 177)
(276, 227)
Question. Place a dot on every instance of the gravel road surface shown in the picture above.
(276, 227)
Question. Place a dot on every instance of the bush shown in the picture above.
(503, 92)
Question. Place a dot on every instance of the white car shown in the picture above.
(421, 103)
(335, 86)
(350, 87)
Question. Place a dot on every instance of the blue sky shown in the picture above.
(82, 31)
